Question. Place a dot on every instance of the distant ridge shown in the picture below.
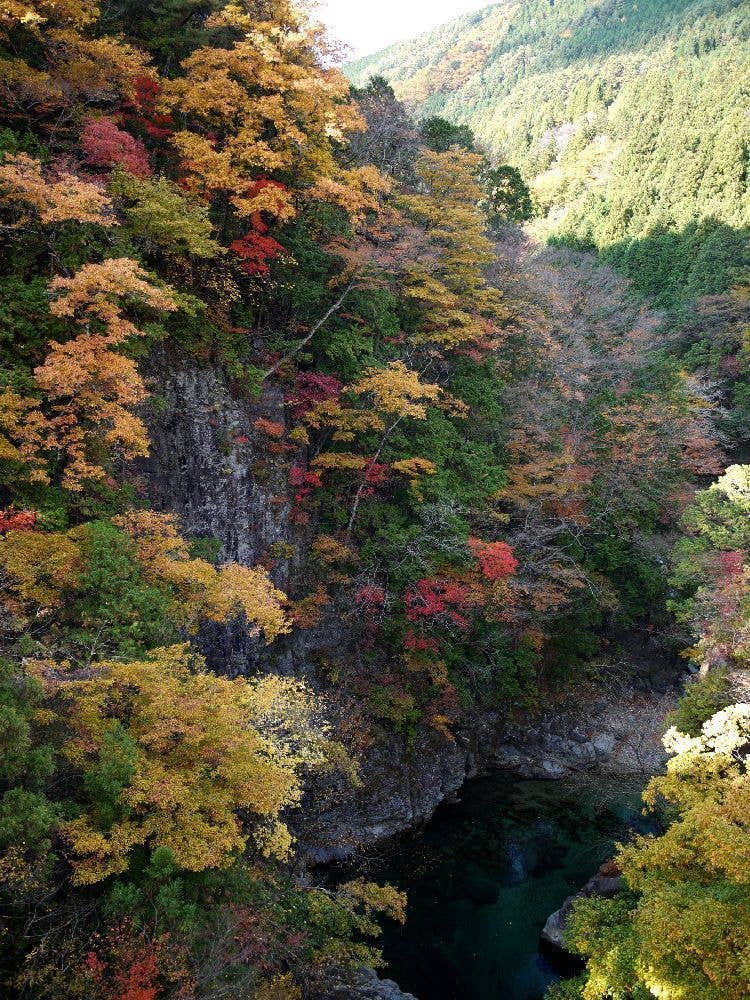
(627, 117)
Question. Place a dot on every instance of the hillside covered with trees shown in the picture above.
(310, 458)
(629, 120)
(630, 124)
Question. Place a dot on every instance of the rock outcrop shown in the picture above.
(366, 985)
(406, 783)
(606, 884)
(210, 465)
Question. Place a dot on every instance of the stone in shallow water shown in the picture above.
(606, 886)
(552, 769)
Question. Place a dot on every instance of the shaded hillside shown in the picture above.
(630, 119)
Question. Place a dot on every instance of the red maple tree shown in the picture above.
(106, 145)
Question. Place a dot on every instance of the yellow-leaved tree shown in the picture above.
(443, 263)
(53, 197)
(384, 397)
(264, 107)
(683, 930)
(24, 431)
(169, 754)
(200, 590)
(47, 570)
(59, 58)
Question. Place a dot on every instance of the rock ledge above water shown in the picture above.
(605, 884)
(367, 985)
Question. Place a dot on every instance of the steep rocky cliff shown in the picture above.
(210, 465)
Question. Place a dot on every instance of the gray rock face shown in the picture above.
(606, 886)
(583, 734)
(604, 744)
(403, 788)
(366, 986)
(552, 769)
(210, 465)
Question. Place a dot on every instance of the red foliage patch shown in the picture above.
(370, 598)
(125, 965)
(496, 559)
(304, 481)
(256, 248)
(143, 111)
(582, 474)
(17, 520)
(311, 388)
(270, 428)
(377, 474)
(435, 597)
(731, 563)
(420, 643)
(106, 145)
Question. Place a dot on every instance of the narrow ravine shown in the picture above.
(483, 876)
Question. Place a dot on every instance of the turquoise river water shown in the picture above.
(483, 876)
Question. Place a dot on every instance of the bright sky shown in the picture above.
(369, 25)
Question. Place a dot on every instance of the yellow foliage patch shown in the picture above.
(201, 590)
(62, 198)
(194, 749)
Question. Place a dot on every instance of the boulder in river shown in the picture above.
(607, 884)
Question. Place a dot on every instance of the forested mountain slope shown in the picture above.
(299, 471)
(628, 118)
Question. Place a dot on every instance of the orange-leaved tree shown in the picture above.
(60, 60)
(51, 195)
(89, 389)
(199, 589)
(259, 119)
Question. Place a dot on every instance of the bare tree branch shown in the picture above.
(309, 336)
